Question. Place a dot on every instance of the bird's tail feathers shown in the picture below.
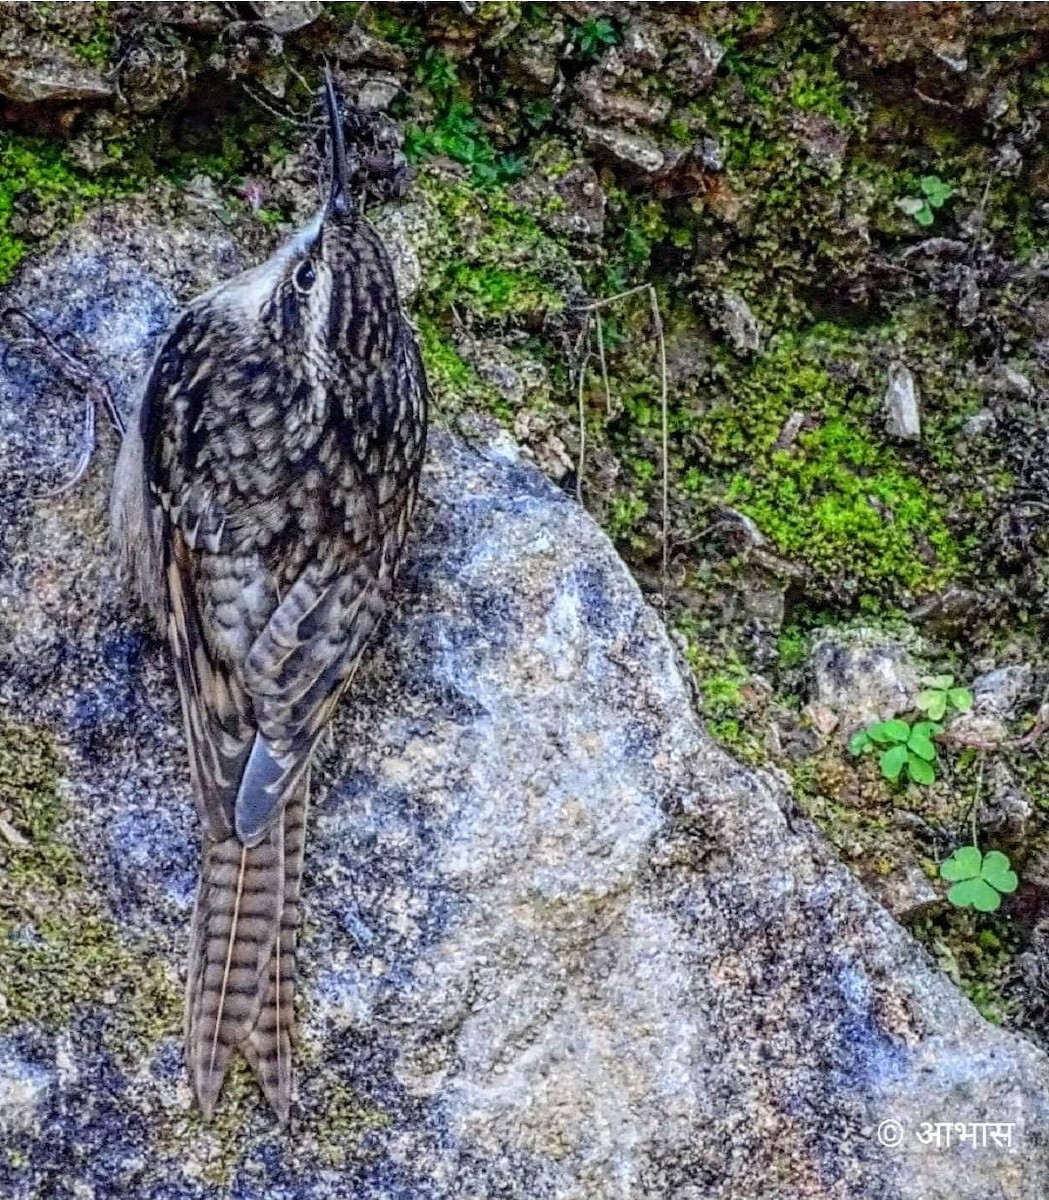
(268, 1047)
(235, 929)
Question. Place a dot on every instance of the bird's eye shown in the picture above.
(304, 277)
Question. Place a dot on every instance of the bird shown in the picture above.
(262, 499)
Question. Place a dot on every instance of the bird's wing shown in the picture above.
(216, 708)
(303, 660)
(297, 669)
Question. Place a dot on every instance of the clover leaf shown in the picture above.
(893, 761)
(903, 747)
(887, 732)
(979, 880)
(920, 770)
(859, 742)
(940, 694)
(937, 193)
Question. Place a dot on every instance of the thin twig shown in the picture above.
(293, 118)
(634, 291)
(604, 364)
(95, 390)
(595, 306)
(581, 467)
(657, 317)
(936, 103)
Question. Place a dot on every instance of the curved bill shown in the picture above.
(339, 200)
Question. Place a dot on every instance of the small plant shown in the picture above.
(593, 35)
(437, 71)
(460, 135)
(979, 880)
(904, 748)
(940, 695)
(934, 195)
(537, 113)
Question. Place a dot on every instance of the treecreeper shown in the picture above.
(261, 503)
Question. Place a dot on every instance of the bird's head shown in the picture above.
(327, 298)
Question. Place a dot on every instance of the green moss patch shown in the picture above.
(37, 177)
(59, 949)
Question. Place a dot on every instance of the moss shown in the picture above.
(392, 22)
(838, 500)
(792, 647)
(59, 948)
(976, 950)
(487, 265)
(96, 46)
(36, 177)
(493, 291)
(346, 1121)
(452, 380)
(838, 504)
(488, 256)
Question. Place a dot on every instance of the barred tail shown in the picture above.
(235, 929)
(268, 1047)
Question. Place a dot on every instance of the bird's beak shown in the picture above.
(339, 201)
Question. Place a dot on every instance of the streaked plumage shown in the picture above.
(262, 502)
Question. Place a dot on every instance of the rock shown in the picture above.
(1036, 878)
(953, 55)
(862, 675)
(190, 14)
(541, 443)
(907, 892)
(739, 324)
(634, 151)
(357, 45)
(762, 599)
(968, 303)
(996, 696)
(551, 929)
(694, 61)
(710, 154)
(515, 377)
(980, 424)
(1017, 383)
(533, 59)
(25, 1087)
(34, 70)
(823, 138)
(1005, 809)
(286, 16)
(948, 612)
(373, 91)
(903, 419)
(257, 50)
(642, 47)
(403, 228)
(616, 107)
(152, 75)
(580, 200)
(999, 692)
